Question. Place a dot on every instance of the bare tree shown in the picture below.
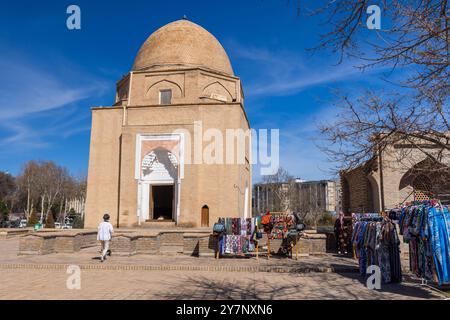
(53, 180)
(26, 183)
(416, 35)
(372, 124)
(309, 201)
(44, 183)
(415, 40)
(281, 186)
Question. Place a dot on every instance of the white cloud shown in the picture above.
(38, 101)
(277, 73)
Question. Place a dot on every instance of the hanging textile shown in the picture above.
(425, 226)
(376, 242)
(280, 226)
(239, 236)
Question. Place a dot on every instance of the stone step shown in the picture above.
(158, 224)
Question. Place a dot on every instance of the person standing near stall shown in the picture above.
(340, 232)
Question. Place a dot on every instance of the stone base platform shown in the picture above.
(6, 233)
(165, 241)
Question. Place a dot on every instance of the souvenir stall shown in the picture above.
(285, 229)
(246, 236)
(375, 242)
(237, 236)
(425, 226)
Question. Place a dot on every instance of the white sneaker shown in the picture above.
(339, 252)
(102, 259)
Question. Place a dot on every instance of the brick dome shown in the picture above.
(182, 43)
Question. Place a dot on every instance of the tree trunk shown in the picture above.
(60, 209)
(42, 208)
(28, 210)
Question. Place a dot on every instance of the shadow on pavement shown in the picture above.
(325, 286)
(407, 287)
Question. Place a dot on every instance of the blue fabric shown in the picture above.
(439, 238)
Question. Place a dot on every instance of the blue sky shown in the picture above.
(52, 76)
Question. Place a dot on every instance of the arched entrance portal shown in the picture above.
(158, 186)
(426, 180)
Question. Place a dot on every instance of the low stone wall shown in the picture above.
(171, 242)
(201, 244)
(147, 245)
(165, 243)
(36, 244)
(207, 246)
(311, 244)
(6, 233)
(56, 242)
(124, 245)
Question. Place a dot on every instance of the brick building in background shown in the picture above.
(400, 173)
(302, 196)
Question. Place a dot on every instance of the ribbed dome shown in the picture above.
(183, 43)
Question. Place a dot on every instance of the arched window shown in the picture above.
(422, 188)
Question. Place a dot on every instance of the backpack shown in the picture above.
(218, 227)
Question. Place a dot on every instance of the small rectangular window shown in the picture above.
(165, 97)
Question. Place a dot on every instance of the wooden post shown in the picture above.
(268, 247)
(257, 251)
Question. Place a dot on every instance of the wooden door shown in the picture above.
(205, 216)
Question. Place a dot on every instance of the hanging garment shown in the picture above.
(249, 226)
(377, 243)
(253, 225)
(394, 254)
(229, 226)
(233, 244)
(440, 244)
(243, 227)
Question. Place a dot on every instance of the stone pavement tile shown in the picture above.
(200, 285)
(140, 284)
(89, 256)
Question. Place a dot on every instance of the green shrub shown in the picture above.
(50, 222)
(33, 219)
(326, 219)
(3, 211)
(78, 223)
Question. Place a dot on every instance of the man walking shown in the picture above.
(104, 235)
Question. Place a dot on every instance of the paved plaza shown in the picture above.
(45, 277)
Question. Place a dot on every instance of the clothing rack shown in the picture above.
(422, 224)
(241, 232)
(375, 242)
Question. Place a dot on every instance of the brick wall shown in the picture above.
(147, 245)
(56, 242)
(356, 191)
(124, 245)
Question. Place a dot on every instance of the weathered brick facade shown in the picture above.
(188, 61)
(395, 176)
